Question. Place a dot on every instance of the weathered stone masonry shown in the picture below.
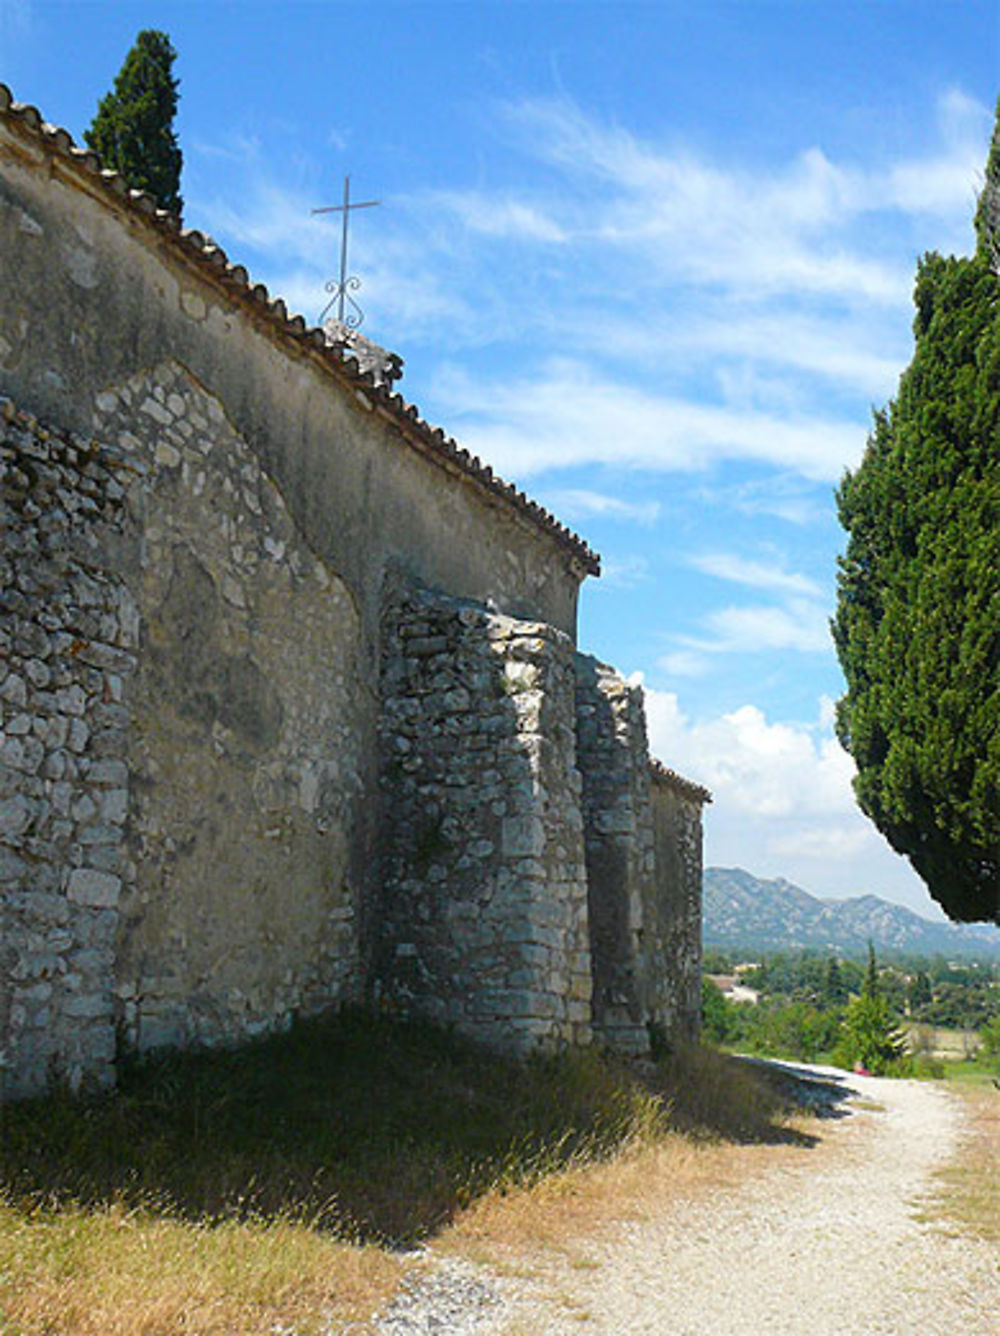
(484, 908)
(177, 659)
(68, 639)
(540, 879)
(290, 708)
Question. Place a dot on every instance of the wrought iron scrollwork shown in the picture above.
(341, 293)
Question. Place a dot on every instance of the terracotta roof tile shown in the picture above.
(428, 440)
(670, 779)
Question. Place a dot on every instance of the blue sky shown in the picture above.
(651, 261)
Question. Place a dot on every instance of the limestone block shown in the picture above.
(15, 816)
(88, 886)
(522, 837)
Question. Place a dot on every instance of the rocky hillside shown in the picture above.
(746, 912)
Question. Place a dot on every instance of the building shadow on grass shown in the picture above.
(372, 1129)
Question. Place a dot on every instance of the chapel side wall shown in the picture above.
(672, 955)
(89, 298)
(187, 746)
(483, 912)
(68, 644)
(251, 718)
(618, 831)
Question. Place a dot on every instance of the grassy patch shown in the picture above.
(112, 1271)
(968, 1188)
(235, 1191)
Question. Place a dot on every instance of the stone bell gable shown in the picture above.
(291, 711)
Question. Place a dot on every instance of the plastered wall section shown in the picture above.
(250, 716)
(183, 763)
(90, 297)
(622, 875)
(484, 915)
(672, 944)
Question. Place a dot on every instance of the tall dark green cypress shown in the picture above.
(917, 625)
(133, 131)
(988, 208)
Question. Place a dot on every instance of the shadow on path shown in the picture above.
(821, 1091)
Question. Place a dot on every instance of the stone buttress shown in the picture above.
(484, 896)
(540, 879)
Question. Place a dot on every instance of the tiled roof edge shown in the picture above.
(430, 440)
(662, 774)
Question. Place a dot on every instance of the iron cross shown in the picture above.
(339, 290)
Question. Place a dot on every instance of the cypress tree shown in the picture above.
(133, 131)
(917, 625)
(869, 1034)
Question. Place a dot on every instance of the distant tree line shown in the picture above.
(813, 1007)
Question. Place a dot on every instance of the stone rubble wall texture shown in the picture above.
(188, 754)
(68, 642)
(540, 882)
(484, 912)
(248, 709)
(183, 728)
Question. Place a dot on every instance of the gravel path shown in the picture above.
(826, 1243)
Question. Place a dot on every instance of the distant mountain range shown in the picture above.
(742, 911)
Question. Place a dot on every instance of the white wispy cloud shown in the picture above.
(787, 229)
(800, 625)
(785, 496)
(567, 415)
(721, 303)
(580, 503)
(498, 216)
(756, 574)
(944, 182)
(797, 621)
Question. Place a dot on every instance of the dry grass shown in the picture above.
(108, 1271)
(252, 1192)
(949, 1045)
(710, 1122)
(968, 1189)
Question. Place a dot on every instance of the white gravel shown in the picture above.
(826, 1243)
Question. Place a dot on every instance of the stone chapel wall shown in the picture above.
(289, 706)
(185, 743)
(484, 899)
